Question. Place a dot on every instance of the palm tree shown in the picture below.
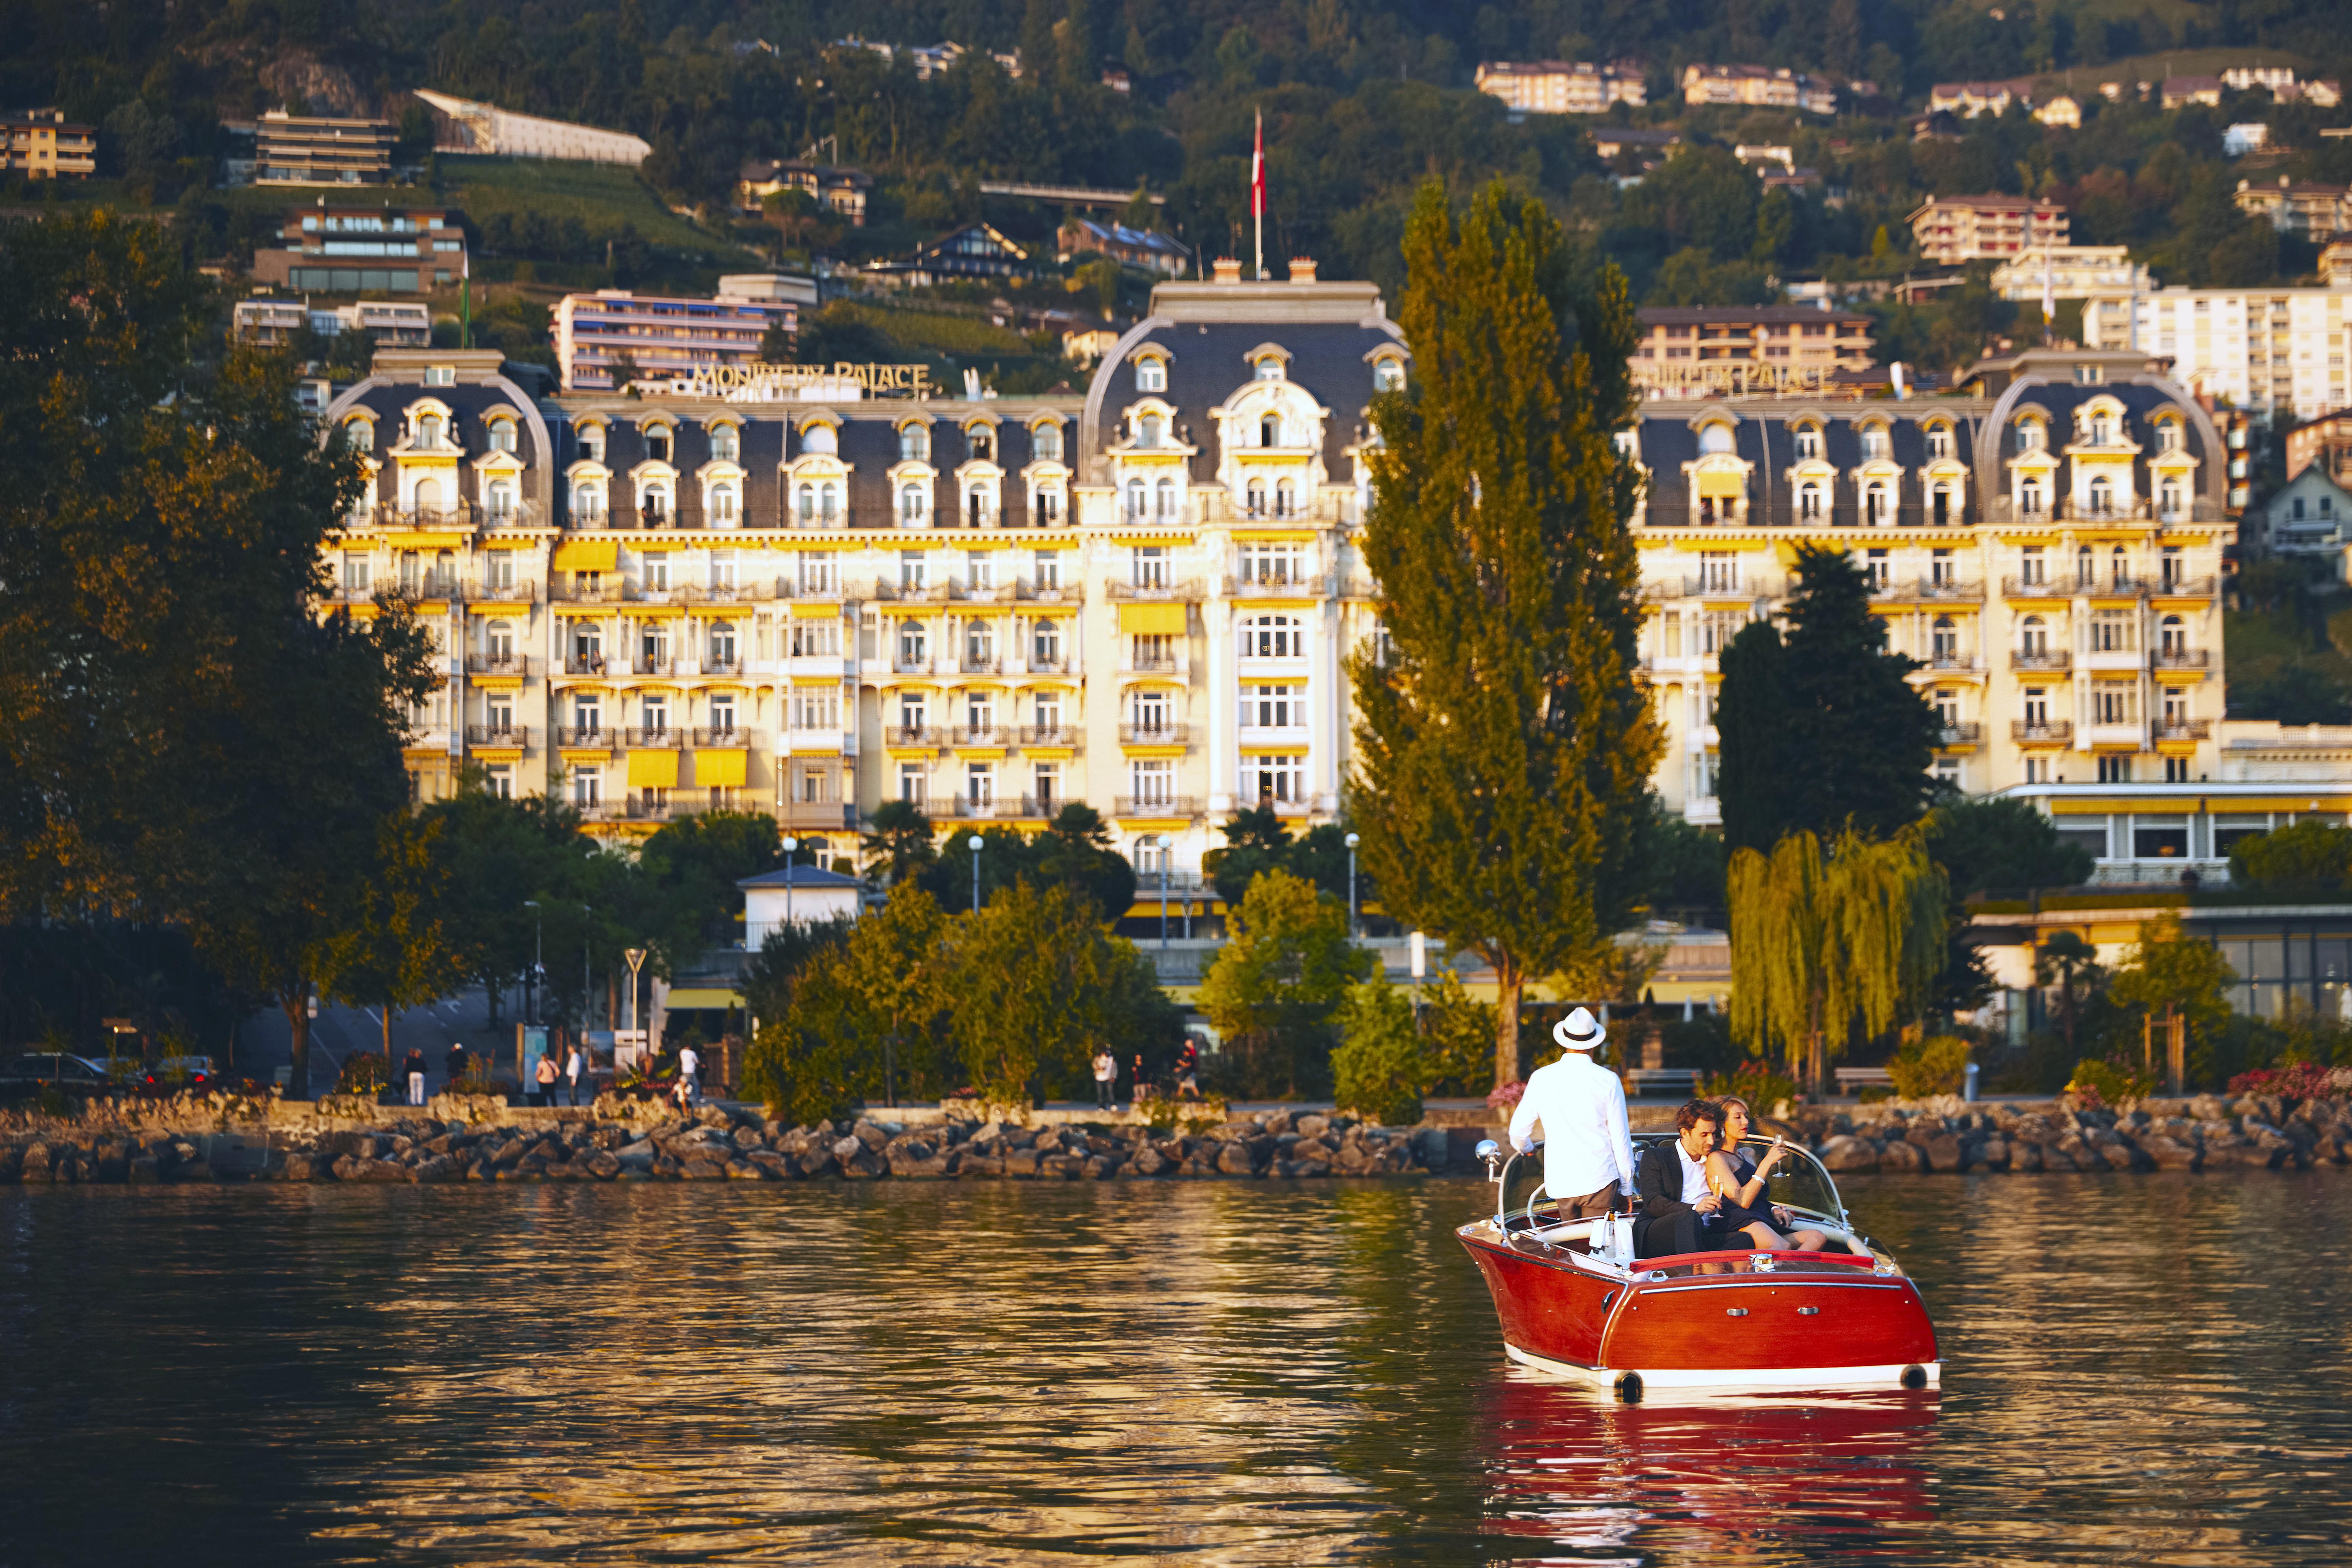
(2066, 960)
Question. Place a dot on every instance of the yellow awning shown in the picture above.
(419, 540)
(652, 769)
(719, 769)
(801, 610)
(1151, 620)
(702, 996)
(587, 555)
(1720, 485)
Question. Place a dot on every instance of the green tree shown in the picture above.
(2310, 854)
(2170, 974)
(1044, 986)
(687, 877)
(495, 853)
(2067, 960)
(901, 843)
(1377, 1068)
(1457, 1038)
(1286, 963)
(1074, 851)
(1820, 730)
(1821, 947)
(770, 978)
(1256, 840)
(866, 1019)
(393, 948)
(1505, 746)
(1997, 841)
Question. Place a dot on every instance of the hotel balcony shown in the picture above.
(1927, 591)
(652, 664)
(1302, 587)
(1133, 663)
(717, 664)
(500, 664)
(818, 521)
(2051, 732)
(2048, 661)
(2184, 728)
(1050, 735)
(499, 735)
(913, 735)
(593, 664)
(1361, 585)
(1950, 664)
(1058, 664)
(823, 815)
(1164, 806)
(1963, 734)
(1719, 587)
(758, 590)
(1218, 509)
(608, 590)
(521, 591)
(460, 514)
(640, 737)
(704, 738)
(996, 808)
(1186, 593)
(586, 735)
(1152, 734)
(2196, 659)
(908, 665)
(979, 735)
(979, 664)
(2186, 588)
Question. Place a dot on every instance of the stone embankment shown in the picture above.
(208, 1138)
(2202, 1133)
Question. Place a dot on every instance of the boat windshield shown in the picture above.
(1798, 1182)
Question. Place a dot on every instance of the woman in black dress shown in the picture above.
(1740, 1182)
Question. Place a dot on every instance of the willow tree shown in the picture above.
(1824, 946)
(1503, 740)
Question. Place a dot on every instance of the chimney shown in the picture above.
(1229, 270)
(1302, 269)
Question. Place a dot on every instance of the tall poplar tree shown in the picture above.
(1503, 740)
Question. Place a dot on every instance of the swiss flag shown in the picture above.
(1257, 170)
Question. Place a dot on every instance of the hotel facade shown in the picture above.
(807, 592)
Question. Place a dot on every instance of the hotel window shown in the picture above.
(2114, 770)
(913, 786)
(2114, 631)
(1048, 509)
(1718, 571)
(2029, 436)
(357, 569)
(1940, 569)
(722, 504)
(1713, 439)
(722, 646)
(815, 640)
(587, 787)
(1046, 780)
(1154, 651)
(2169, 499)
(1048, 712)
(724, 443)
(1273, 707)
(2029, 497)
(428, 431)
(914, 643)
(722, 713)
(1148, 565)
(1135, 502)
(979, 569)
(2103, 497)
(1943, 642)
(588, 715)
(360, 433)
(1269, 368)
(1151, 374)
(978, 644)
(1273, 637)
(2115, 702)
(499, 639)
(2033, 636)
(914, 713)
(502, 435)
(1163, 500)
(980, 785)
(655, 503)
(815, 708)
(1255, 497)
(2172, 637)
(1149, 713)
(658, 573)
(1147, 431)
(1275, 778)
(2102, 430)
(1045, 441)
(1809, 502)
(914, 502)
(2037, 708)
(914, 443)
(1874, 505)
(1047, 563)
(1152, 780)
(1875, 568)
(1388, 375)
(1045, 643)
(653, 649)
(1809, 443)
(819, 441)
(816, 572)
(1939, 441)
(1941, 514)
(500, 500)
(1875, 443)
(1270, 564)
(657, 444)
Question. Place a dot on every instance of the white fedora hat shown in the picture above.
(1579, 1031)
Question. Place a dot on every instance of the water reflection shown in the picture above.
(2138, 1368)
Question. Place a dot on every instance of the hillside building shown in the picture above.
(2071, 272)
(1950, 230)
(2316, 212)
(42, 144)
(663, 337)
(1563, 87)
(2277, 354)
(1758, 87)
(461, 125)
(1690, 350)
(318, 150)
(329, 249)
(839, 191)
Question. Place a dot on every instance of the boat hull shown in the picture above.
(1807, 1322)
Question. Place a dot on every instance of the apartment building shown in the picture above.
(2071, 272)
(42, 144)
(318, 150)
(2325, 441)
(2317, 213)
(1143, 598)
(2277, 354)
(392, 323)
(1970, 99)
(1563, 87)
(664, 338)
(839, 191)
(1691, 350)
(1145, 248)
(1954, 229)
(2179, 92)
(326, 249)
(1760, 87)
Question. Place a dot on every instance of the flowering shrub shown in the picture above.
(2098, 1085)
(1506, 1097)
(2302, 1081)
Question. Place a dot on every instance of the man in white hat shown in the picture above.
(1588, 1147)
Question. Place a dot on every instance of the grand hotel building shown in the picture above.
(807, 601)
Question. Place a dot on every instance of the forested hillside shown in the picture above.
(1363, 100)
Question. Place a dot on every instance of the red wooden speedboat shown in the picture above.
(1572, 1298)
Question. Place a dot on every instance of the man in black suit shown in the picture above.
(1672, 1181)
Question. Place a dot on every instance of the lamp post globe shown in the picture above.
(792, 847)
(975, 842)
(1352, 841)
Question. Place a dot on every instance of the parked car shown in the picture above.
(193, 1072)
(36, 1067)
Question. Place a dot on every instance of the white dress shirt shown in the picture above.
(1587, 1144)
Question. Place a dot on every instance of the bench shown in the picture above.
(1850, 1078)
(1642, 1080)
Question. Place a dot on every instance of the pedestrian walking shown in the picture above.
(414, 1070)
(1105, 1080)
(1140, 1087)
(689, 1074)
(455, 1063)
(1187, 1071)
(573, 1066)
(544, 1076)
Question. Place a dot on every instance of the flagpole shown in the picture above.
(1257, 193)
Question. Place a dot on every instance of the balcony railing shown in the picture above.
(497, 735)
(1218, 508)
(654, 664)
(2049, 732)
(1134, 663)
(1927, 591)
(1152, 734)
(2183, 729)
(595, 735)
(1155, 806)
(1186, 593)
(722, 664)
(2186, 588)
(913, 735)
(1706, 586)
(520, 591)
(2182, 658)
(462, 514)
(1359, 585)
(2048, 661)
(1300, 587)
(2033, 588)
(1963, 734)
(981, 663)
(662, 739)
(1049, 664)
(705, 737)
(832, 815)
(497, 664)
(587, 663)
(608, 590)
(1049, 735)
(905, 665)
(980, 736)
(965, 808)
(1953, 663)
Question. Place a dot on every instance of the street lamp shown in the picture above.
(1166, 851)
(584, 912)
(975, 873)
(538, 958)
(791, 848)
(1352, 842)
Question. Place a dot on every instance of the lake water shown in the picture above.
(2149, 1369)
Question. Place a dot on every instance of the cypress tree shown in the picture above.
(1503, 743)
(1820, 729)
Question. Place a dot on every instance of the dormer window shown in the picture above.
(657, 445)
(361, 434)
(819, 440)
(502, 435)
(1269, 431)
(1269, 368)
(1874, 443)
(1151, 374)
(1809, 443)
(1939, 441)
(428, 431)
(2102, 430)
(2029, 437)
(914, 443)
(440, 375)
(1388, 375)
(1046, 441)
(983, 445)
(1148, 431)
(724, 444)
(591, 444)
(2168, 436)
(1713, 439)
